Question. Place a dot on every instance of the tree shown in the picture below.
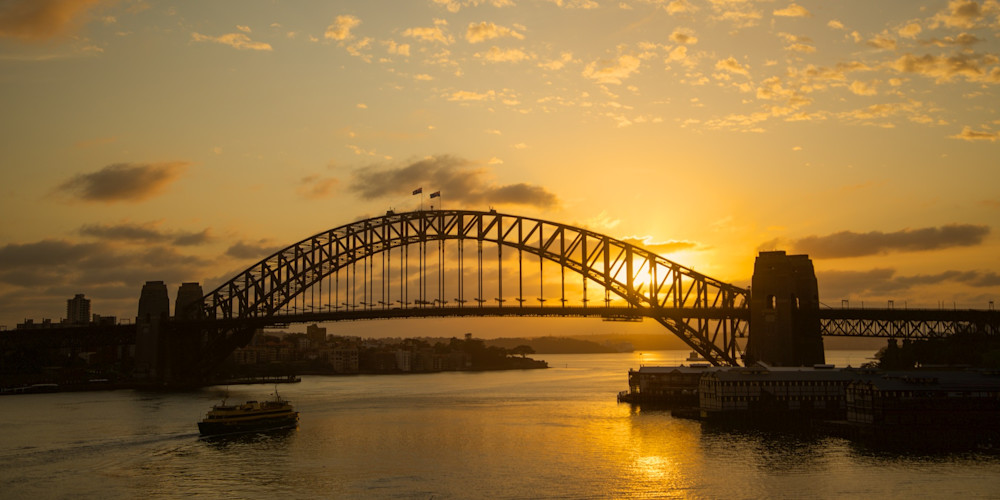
(523, 350)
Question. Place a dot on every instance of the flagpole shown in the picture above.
(420, 191)
(437, 194)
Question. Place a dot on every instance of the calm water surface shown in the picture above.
(555, 433)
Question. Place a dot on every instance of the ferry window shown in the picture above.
(795, 301)
(772, 302)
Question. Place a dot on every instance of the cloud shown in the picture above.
(963, 14)
(36, 20)
(456, 5)
(910, 30)
(46, 253)
(731, 65)
(430, 33)
(660, 248)
(402, 49)
(835, 24)
(943, 68)
(683, 37)
(62, 264)
(851, 244)
(741, 14)
(843, 284)
(496, 54)
(612, 71)
(882, 41)
(967, 134)
(797, 43)
(341, 28)
(467, 95)
(315, 187)
(480, 32)
(679, 7)
(862, 88)
(961, 40)
(258, 251)
(132, 182)
(793, 10)
(144, 233)
(235, 40)
(576, 4)
(557, 64)
(460, 182)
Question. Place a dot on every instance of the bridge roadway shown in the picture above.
(845, 322)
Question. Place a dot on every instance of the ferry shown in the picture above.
(252, 416)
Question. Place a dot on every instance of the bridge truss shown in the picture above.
(474, 263)
(908, 323)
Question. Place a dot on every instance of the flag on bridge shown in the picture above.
(418, 190)
(436, 194)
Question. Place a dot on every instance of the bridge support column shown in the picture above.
(150, 339)
(784, 312)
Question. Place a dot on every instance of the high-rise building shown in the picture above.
(78, 310)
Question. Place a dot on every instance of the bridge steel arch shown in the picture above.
(707, 314)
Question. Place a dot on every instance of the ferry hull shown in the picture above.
(257, 425)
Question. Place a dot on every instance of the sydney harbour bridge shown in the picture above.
(442, 263)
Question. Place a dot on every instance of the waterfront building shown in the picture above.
(78, 310)
(763, 392)
(667, 385)
(345, 360)
(938, 399)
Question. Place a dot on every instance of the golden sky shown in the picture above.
(183, 141)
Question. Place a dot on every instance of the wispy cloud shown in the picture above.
(971, 66)
(967, 134)
(731, 65)
(56, 263)
(660, 247)
(964, 14)
(459, 180)
(316, 187)
(852, 244)
(612, 70)
(144, 233)
(124, 182)
(457, 5)
(793, 10)
(885, 281)
(37, 20)
(431, 33)
(235, 40)
(341, 28)
(482, 31)
(496, 54)
(258, 250)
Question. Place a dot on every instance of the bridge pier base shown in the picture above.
(784, 312)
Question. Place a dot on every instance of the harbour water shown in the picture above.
(554, 433)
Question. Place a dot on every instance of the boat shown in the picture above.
(252, 416)
(694, 356)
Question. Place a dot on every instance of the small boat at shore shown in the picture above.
(252, 416)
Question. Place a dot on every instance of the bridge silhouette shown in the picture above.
(443, 263)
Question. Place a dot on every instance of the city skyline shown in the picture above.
(184, 142)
